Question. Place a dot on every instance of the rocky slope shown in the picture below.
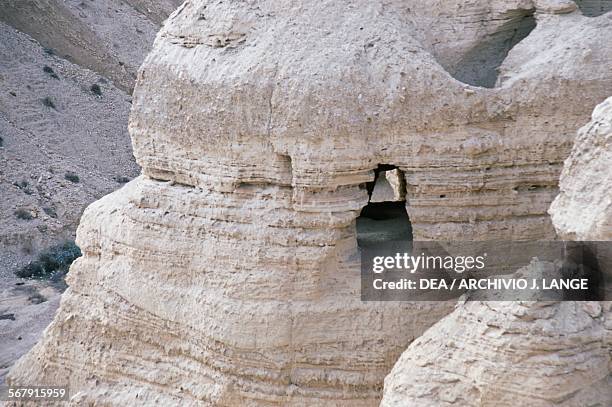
(109, 37)
(63, 135)
(228, 272)
(64, 103)
(63, 146)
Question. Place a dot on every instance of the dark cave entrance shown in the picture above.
(384, 219)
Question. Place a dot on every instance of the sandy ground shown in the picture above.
(26, 308)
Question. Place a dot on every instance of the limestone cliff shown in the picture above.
(583, 209)
(228, 272)
(527, 353)
(504, 353)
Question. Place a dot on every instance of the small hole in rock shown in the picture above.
(384, 218)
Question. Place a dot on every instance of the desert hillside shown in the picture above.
(66, 73)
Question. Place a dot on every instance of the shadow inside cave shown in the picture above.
(384, 220)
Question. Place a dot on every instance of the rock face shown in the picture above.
(458, 145)
(527, 353)
(228, 272)
(583, 208)
(504, 353)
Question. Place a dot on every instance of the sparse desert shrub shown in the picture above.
(95, 89)
(49, 51)
(21, 184)
(121, 179)
(23, 214)
(50, 211)
(47, 69)
(47, 101)
(72, 177)
(52, 263)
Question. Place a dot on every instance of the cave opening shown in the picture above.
(594, 8)
(384, 219)
(479, 66)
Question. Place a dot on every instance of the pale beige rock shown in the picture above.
(528, 353)
(228, 273)
(503, 353)
(583, 208)
(389, 187)
(191, 302)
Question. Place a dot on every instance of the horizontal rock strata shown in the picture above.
(504, 353)
(528, 353)
(228, 273)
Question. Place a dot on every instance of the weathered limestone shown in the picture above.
(389, 187)
(505, 353)
(583, 208)
(228, 273)
(528, 353)
(333, 114)
(222, 298)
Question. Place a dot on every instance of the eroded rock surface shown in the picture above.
(528, 353)
(583, 208)
(504, 353)
(228, 273)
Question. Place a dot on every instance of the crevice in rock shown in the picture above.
(594, 8)
(384, 218)
(479, 66)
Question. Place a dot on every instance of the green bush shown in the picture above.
(52, 263)
(95, 89)
(48, 102)
(21, 184)
(48, 70)
(121, 179)
(72, 177)
(23, 214)
(49, 210)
